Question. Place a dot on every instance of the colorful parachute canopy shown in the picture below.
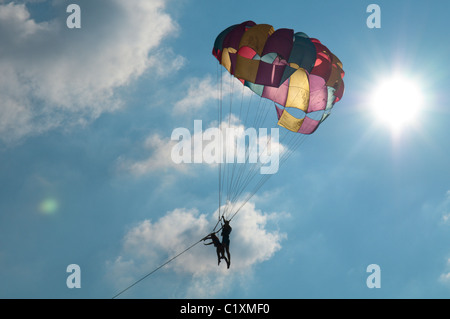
(288, 68)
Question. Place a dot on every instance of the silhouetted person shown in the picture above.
(226, 230)
(219, 247)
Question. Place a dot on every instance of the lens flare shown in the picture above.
(49, 206)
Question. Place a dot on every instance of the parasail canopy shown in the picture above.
(291, 69)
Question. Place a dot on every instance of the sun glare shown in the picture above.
(397, 102)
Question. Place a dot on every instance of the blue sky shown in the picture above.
(86, 117)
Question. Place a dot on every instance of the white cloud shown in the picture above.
(164, 61)
(149, 244)
(160, 157)
(181, 151)
(159, 160)
(53, 76)
(445, 276)
(18, 19)
(444, 209)
(199, 92)
(203, 92)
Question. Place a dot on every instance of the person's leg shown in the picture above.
(222, 253)
(218, 255)
(228, 255)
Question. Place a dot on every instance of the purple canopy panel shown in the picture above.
(277, 94)
(308, 126)
(271, 74)
(318, 94)
(233, 38)
(281, 42)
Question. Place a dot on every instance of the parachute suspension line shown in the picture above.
(242, 167)
(245, 166)
(234, 181)
(294, 146)
(239, 177)
(220, 80)
(231, 181)
(258, 120)
(253, 169)
(226, 91)
(246, 170)
(236, 168)
(294, 141)
(230, 112)
(250, 195)
(251, 174)
(258, 185)
(225, 146)
(264, 179)
(223, 155)
(237, 182)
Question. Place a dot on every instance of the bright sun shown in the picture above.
(397, 102)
